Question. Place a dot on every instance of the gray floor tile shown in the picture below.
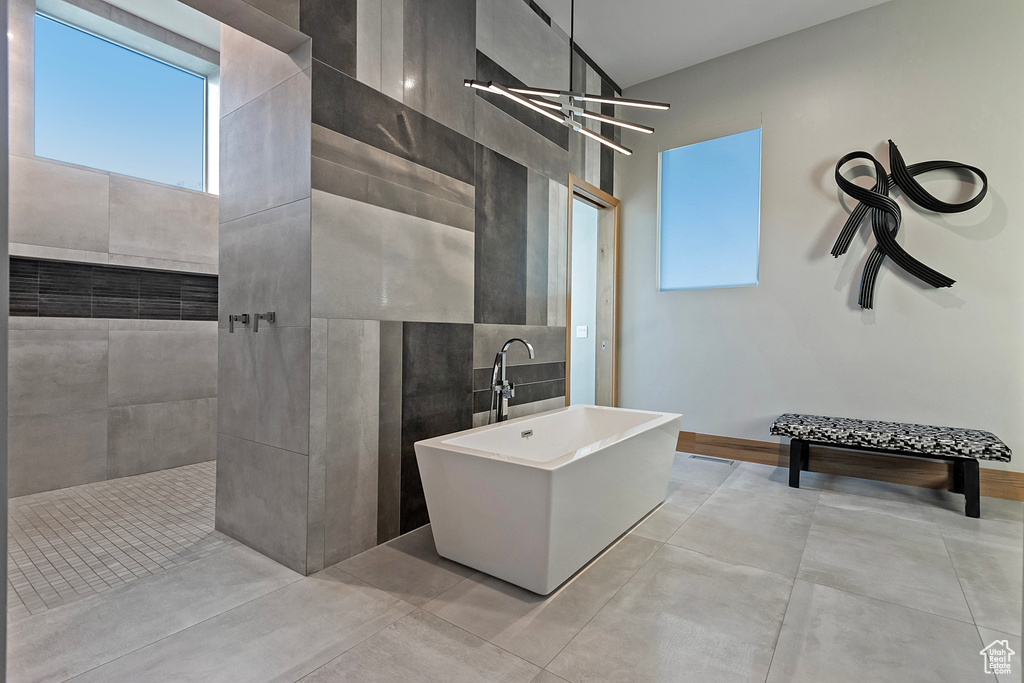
(408, 567)
(757, 478)
(546, 676)
(683, 617)
(63, 642)
(989, 567)
(907, 511)
(278, 637)
(693, 475)
(536, 627)
(884, 557)
(664, 521)
(830, 635)
(756, 529)
(423, 648)
(988, 636)
(897, 492)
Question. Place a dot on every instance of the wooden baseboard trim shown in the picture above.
(911, 471)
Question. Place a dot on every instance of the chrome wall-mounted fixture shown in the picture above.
(269, 316)
(232, 319)
(564, 106)
(501, 389)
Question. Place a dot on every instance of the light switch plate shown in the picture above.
(581, 331)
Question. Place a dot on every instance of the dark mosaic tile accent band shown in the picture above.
(501, 227)
(489, 70)
(525, 393)
(62, 289)
(332, 26)
(521, 374)
(346, 106)
(437, 399)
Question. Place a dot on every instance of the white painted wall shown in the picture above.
(583, 351)
(945, 80)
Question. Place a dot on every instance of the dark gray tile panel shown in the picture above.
(332, 26)
(489, 70)
(525, 393)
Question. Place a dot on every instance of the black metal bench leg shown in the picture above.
(972, 488)
(799, 459)
(958, 476)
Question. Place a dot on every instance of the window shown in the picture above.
(709, 208)
(102, 105)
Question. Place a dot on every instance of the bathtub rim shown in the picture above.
(441, 443)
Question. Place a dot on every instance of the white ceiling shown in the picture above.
(637, 40)
(176, 17)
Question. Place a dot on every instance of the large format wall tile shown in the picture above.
(370, 263)
(497, 130)
(250, 67)
(332, 26)
(78, 221)
(548, 344)
(160, 221)
(392, 52)
(176, 363)
(437, 386)
(369, 35)
(500, 283)
(346, 106)
(265, 150)
(286, 11)
(488, 70)
(261, 499)
(353, 391)
(56, 451)
(21, 77)
(158, 436)
(315, 508)
(389, 432)
(57, 371)
(440, 52)
(558, 248)
(515, 36)
(537, 248)
(265, 260)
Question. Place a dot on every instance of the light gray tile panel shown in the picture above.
(264, 261)
(677, 609)
(282, 387)
(392, 54)
(548, 344)
(246, 17)
(160, 221)
(207, 327)
(514, 36)
(498, 131)
(32, 323)
(558, 257)
(368, 42)
(830, 635)
(158, 436)
(354, 154)
(318, 357)
(78, 221)
(62, 643)
(536, 627)
(161, 264)
(278, 637)
(370, 263)
(849, 550)
(439, 46)
(265, 150)
(422, 647)
(345, 182)
(408, 567)
(262, 499)
(389, 449)
(47, 452)
(353, 394)
(763, 531)
(537, 247)
(250, 68)
(153, 367)
(57, 253)
(237, 390)
(56, 371)
(286, 11)
(21, 76)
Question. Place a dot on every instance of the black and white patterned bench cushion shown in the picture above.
(893, 436)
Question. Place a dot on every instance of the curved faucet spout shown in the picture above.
(502, 389)
(528, 345)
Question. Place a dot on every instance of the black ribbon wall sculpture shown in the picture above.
(886, 217)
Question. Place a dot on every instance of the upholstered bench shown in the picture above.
(963, 447)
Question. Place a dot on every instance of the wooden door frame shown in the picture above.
(581, 189)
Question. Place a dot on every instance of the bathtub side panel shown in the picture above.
(487, 514)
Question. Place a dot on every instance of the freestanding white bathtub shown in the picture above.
(532, 500)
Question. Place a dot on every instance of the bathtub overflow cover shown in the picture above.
(527, 434)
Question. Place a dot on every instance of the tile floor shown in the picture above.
(67, 544)
(736, 578)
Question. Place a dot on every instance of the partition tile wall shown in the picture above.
(430, 229)
(113, 356)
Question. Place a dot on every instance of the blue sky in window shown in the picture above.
(710, 213)
(104, 106)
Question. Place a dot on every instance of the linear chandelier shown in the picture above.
(568, 107)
